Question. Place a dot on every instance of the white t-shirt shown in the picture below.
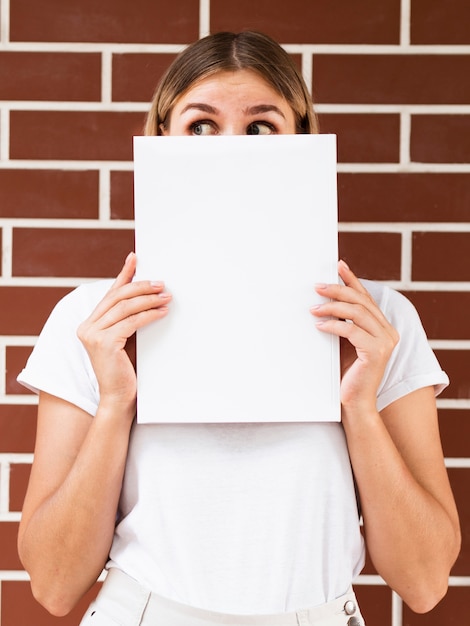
(238, 518)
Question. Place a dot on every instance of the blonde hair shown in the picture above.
(231, 52)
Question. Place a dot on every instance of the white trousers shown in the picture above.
(122, 601)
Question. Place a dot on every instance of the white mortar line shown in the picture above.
(17, 340)
(106, 77)
(71, 46)
(7, 250)
(4, 22)
(3, 368)
(67, 223)
(457, 463)
(353, 168)
(13, 516)
(18, 399)
(419, 168)
(13, 575)
(47, 281)
(44, 164)
(372, 49)
(415, 109)
(450, 344)
(4, 488)
(204, 17)
(462, 404)
(169, 48)
(459, 581)
(20, 458)
(4, 133)
(307, 71)
(397, 610)
(405, 138)
(142, 107)
(406, 256)
(67, 105)
(105, 195)
(392, 227)
(405, 24)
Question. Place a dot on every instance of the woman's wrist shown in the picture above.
(117, 408)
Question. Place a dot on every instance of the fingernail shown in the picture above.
(344, 264)
(156, 283)
(321, 286)
(129, 256)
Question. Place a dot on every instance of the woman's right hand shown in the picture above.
(126, 307)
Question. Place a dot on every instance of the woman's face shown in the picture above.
(231, 103)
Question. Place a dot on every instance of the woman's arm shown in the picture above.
(410, 519)
(70, 508)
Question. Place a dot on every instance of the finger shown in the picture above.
(353, 293)
(129, 307)
(127, 272)
(126, 327)
(349, 277)
(355, 313)
(126, 291)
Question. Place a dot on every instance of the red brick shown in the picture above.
(49, 194)
(94, 135)
(372, 255)
(304, 21)
(135, 76)
(17, 428)
(391, 79)
(28, 308)
(122, 195)
(364, 138)
(451, 611)
(403, 197)
(70, 252)
(454, 425)
(50, 76)
(438, 22)
(457, 365)
(16, 357)
(116, 21)
(444, 313)
(19, 608)
(441, 138)
(440, 256)
(459, 480)
(376, 603)
(8, 554)
(19, 477)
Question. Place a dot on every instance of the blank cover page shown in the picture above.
(239, 228)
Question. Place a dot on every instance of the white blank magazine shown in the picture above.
(240, 228)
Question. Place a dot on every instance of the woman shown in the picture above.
(239, 524)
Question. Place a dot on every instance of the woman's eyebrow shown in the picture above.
(200, 106)
(264, 108)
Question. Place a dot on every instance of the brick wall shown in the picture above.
(390, 78)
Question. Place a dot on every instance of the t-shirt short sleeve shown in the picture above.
(413, 364)
(59, 363)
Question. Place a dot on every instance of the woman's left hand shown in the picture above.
(368, 337)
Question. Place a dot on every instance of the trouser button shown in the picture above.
(354, 621)
(350, 607)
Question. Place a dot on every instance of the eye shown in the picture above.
(260, 128)
(202, 128)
